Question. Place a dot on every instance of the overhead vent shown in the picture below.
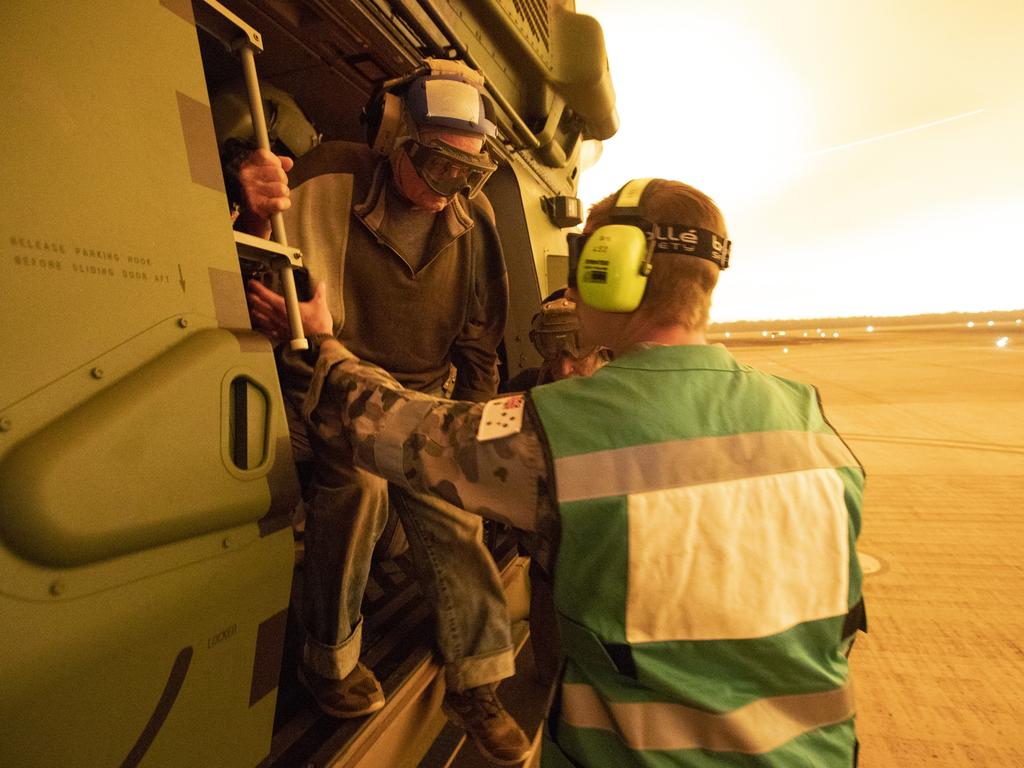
(534, 14)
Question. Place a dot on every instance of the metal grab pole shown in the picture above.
(259, 125)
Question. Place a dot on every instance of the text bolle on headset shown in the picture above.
(609, 267)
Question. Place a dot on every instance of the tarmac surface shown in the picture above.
(936, 416)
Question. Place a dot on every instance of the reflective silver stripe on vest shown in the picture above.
(679, 463)
(756, 728)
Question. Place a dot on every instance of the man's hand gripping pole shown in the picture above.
(284, 267)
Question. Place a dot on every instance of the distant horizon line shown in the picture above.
(846, 320)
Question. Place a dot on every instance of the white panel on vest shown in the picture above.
(737, 559)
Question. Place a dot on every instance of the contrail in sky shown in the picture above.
(889, 135)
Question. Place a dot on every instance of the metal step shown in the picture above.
(398, 645)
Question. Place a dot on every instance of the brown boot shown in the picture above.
(497, 735)
(358, 694)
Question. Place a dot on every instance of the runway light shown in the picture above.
(970, 323)
(871, 329)
(990, 323)
(835, 335)
(728, 335)
(764, 333)
(1002, 342)
(785, 350)
(805, 332)
(1018, 321)
(782, 333)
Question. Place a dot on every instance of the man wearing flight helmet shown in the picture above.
(405, 249)
(554, 333)
(701, 516)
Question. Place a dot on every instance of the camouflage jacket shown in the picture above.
(356, 412)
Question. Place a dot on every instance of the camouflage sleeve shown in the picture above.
(356, 412)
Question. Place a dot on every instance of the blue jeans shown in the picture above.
(346, 516)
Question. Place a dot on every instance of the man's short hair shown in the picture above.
(679, 287)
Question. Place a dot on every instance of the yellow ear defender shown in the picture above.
(609, 267)
(616, 259)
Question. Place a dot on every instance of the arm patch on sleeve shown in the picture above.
(501, 417)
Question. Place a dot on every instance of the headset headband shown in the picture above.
(441, 93)
(610, 265)
(627, 201)
(668, 238)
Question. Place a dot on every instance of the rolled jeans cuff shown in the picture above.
(479, 670)
(333, 661)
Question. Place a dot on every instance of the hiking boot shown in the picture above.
(358, 694)
(497, 735)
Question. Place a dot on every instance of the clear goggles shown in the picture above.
(447, 170)
(552, 344)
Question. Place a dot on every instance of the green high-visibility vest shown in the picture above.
(706, 581)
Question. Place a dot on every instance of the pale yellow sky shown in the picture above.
(867, 155)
